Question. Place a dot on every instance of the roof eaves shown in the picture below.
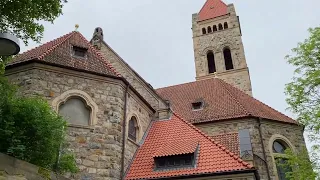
(187, 176)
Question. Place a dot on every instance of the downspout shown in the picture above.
(263, 149)
(124, 131)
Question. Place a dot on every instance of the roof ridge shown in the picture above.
(99, 55)
(67, 36)
(223, 148)
(232, 96)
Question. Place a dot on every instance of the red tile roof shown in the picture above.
(212, 9)
(211, 158)
(58, 52)
(230, 141)
(221, 101)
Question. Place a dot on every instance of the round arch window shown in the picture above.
(279, 147)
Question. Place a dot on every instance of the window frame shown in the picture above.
(274, 156)
(85, 97)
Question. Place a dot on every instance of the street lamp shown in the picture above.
(9, 44)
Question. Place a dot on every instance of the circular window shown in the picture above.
(278, 147)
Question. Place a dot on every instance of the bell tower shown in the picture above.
(218, 47)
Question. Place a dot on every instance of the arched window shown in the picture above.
(209, 29)
(225, 25)
(220, 26)
(279, 148)
(75, 111)
(227, 58)
(214, 28)
(133, 129)
(204, 31)
(211, 63)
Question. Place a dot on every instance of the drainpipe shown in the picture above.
(124, 131)
(263, 150)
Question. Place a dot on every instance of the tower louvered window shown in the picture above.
(211, 63)
(228, 58)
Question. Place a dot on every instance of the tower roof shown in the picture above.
(220, 101)
(59, 52)
(175, 137)
(212, 9)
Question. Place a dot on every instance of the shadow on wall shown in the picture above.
(12, 168)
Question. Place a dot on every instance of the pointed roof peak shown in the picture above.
(212, 9)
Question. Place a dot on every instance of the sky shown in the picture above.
(154, 37)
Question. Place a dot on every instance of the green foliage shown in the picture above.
(303, 97)
(21, 17)
(300, 165)
(29, 129)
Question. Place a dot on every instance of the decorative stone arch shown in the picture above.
(139, 127)
(274, 138)
(64, 97)
(205, 51)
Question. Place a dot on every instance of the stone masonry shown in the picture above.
(216, 42)
(293, 133)
(98, 147)
(127, 72)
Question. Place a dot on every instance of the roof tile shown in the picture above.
(212, 157)
(221, 101)
(58, 52)
(212, 9)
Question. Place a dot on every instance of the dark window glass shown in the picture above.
(170, 162)
(177, 161)
(214, 28)
(80, 52)
(197, 105)
(204, 31)
(227, 59)
(209, 29)
(220, 27)
(282, 168)
(211, 63)
(278, 147)
(225, 25)
(133, 129)
(245, 142)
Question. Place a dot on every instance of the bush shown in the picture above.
(30, 130)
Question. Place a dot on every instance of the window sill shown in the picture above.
(81, 126)
(132, 141)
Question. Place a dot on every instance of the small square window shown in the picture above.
(197, 105)
(79, 51)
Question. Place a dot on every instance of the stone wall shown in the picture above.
(216, 42)
(15, 169)
(97, 147)
(143, 116)
(132, 77)
(269, 128)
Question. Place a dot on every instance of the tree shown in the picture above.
(30, 130)
(22, 17)
(303, 95)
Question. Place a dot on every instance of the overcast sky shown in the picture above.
(154, 37)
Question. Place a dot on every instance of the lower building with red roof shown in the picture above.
(120, 127)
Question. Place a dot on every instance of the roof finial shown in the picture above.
(76, 27)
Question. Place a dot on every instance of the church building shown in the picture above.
(120, 127)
